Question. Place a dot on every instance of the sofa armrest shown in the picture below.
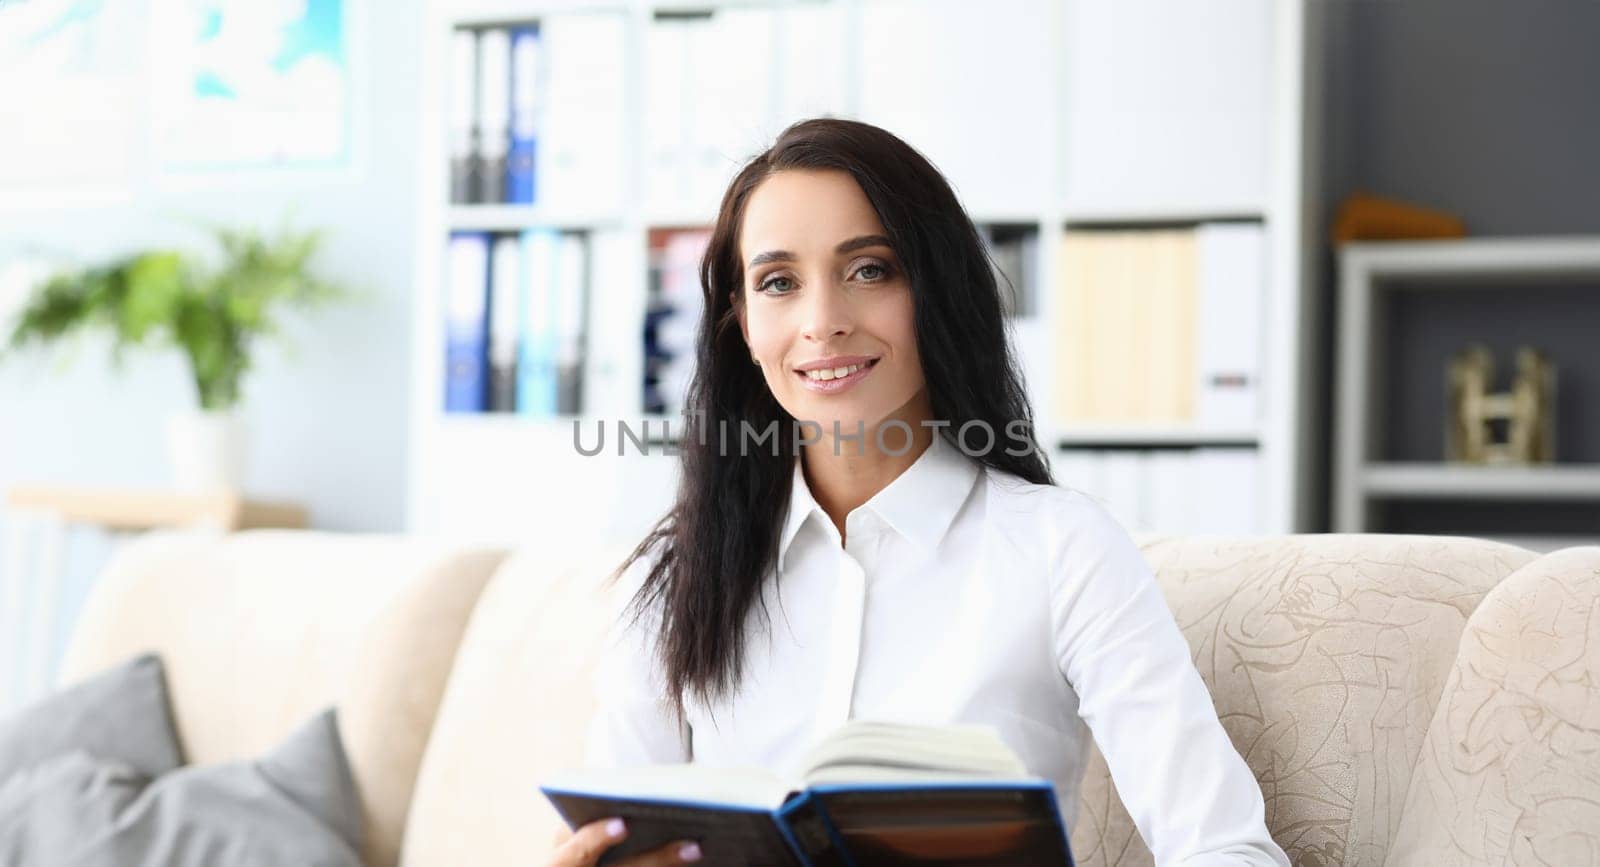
(1510, 767)
(517, 708)
(260, 629)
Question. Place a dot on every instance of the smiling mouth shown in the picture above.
(827, 374)
(836, 379)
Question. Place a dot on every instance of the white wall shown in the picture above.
(327, 418)
(327, 422)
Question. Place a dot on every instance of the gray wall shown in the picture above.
(328, 418)
(1487, 109)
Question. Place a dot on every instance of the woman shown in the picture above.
(899, 552)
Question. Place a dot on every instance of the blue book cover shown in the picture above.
(1001, 823)
(869, 794)
(537, 379)
(466, 369)
(998, 823)
(522, 158)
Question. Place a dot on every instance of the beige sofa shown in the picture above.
(1402, 699)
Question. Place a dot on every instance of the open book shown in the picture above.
(871, 793)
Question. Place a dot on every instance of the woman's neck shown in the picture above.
(845, 473)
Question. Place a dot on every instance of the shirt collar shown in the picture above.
(919, 504)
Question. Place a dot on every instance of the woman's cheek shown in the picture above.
(894, 322)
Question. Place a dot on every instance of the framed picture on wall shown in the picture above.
(250, 85)
(69, 133)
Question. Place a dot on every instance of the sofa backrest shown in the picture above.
(1509, 772)
(259, 630)
(1325, 656)
(517, 707)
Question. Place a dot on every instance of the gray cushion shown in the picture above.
(120, 714)
(295, 806)
(45, 808)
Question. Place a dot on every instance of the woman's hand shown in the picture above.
(584, 848)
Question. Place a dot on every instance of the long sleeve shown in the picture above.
(1193, 799)
(633, 723)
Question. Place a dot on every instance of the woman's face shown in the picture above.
(827, 308)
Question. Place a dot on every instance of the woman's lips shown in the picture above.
(834, 386)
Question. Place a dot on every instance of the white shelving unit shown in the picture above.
(1178, 213)
(1152, 435)
(1369, 269)
(515, 218)
(1008, 150)
(1422, 481)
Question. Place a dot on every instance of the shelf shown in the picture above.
(497, 420)
(705, 5)
(491, 13)
(1162, 216)
(494, 425)
(514, 218)
(513, 420)
(1424, 481)
(679, 218)
(1370, 272)
(1476, 259)
(1125, 436)
(1545, 544)
(1002, 218)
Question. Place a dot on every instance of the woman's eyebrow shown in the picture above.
(849, 246)
(855, 244)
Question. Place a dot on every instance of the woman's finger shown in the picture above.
(681, 852)
(590, 842)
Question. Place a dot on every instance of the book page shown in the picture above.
(741, 787)
(866, 750)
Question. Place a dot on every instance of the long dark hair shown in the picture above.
(712, 550)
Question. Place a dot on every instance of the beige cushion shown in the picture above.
(1510, 768)
(518, 706)
(1325, 656)
(259, 630)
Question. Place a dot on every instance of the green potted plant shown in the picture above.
(216, 315)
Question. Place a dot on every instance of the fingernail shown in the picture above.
(691, 852)
(614, 828)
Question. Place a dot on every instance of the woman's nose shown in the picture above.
(828, 315)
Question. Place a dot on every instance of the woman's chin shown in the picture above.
(855, 432)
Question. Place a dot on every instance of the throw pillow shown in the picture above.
(120, 714)
(295, 807)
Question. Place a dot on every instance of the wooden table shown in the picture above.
(44, 512)
(119, 509)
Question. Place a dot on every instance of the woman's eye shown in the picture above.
(772, 285)
(872, 272)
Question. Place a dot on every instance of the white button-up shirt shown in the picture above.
(961, 594)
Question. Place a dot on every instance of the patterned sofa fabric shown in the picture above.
(1510, 768)
(1325, 656)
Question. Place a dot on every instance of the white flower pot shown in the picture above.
(207, 450)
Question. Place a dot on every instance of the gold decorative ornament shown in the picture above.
(1526, 413)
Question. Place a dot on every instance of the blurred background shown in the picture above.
(368, 267)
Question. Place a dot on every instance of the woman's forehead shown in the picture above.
(806, 212)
